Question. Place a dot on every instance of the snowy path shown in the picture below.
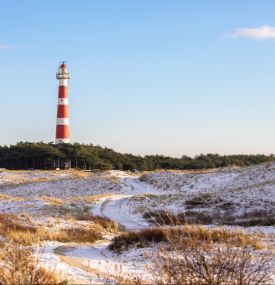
(51, 256)
(96, 259)
(99, 261)
(116, 207)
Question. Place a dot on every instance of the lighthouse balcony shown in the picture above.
(62, 76)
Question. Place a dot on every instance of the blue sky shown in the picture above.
(147, 76)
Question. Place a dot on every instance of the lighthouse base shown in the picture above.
(57, 141)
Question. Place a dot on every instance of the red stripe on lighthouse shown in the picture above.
(63, 92)
(62, 111)
(62, 132)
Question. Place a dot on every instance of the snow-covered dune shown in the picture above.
(125, 197)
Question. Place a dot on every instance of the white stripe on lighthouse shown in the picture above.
(62, 121)
(63, 101)
(63, 82)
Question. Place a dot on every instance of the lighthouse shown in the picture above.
(62, 121)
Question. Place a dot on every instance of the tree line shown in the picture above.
(26, 155)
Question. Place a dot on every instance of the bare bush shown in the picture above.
(197, 263)
(19, 266)
(194, 255)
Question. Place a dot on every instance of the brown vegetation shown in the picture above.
(255, 218)
(194, 255)
(146, 237)
(19, 266)
(202, 200)
(52, 200)
(74, 235)
(18, 230)
(10, 198)
(25, 233)
(209, 264)
(80, 213)
(103, 222)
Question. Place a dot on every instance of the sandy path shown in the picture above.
(117, 208)
(96, 258)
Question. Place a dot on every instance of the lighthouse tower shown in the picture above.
(62, 122)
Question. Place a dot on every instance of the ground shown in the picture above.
(51, 198)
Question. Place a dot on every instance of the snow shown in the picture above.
(51, 261)
(116, 208)
(18, 177)
(124, 197)
(63, 188)
(245, 189)
(100, 259)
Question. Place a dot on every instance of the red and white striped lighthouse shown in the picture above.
(62, 122)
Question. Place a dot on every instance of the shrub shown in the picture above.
(201, 201)
(208, 264)
(185, 235)
(255, 218)
(19, 266)
(140, 238)
(187, 217)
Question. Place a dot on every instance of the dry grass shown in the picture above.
(209, 264)
(103, 222)
(52, 200)
(19, 266)
(10, 198)
(60, 210)
(138, 239)
(255, 218)
(25, 233)
(79, 174)
(19, 231)
(148, 236)
(211, 257)
(202, 200)
(83, 213)
(194, 255)
(74, 235)
(89, 198)
(188, 217)
(80, 213)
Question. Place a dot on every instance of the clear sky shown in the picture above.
(147, 76)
